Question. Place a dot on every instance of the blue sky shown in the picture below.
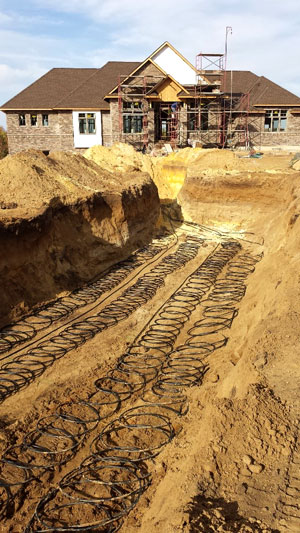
(37, 35)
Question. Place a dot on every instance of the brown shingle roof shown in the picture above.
(267, 93)
(90, 94)
(242, 81)
(65, 88)
(262, 91)
(47, 90)
(85, 88)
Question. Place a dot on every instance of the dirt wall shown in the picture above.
(63, 221)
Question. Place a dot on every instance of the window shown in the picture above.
(275, 120)
(132, 117)
(22, 119)
(87, 123)
(132, 106)
(33, 119)
(45, 120)
(132, 124)
(197, 118)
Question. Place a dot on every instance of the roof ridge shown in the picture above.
(72, 68)
(121, 62)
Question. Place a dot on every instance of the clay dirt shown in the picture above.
(149, 342)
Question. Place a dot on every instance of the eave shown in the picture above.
(276, 105)
(4, 109)
(81, 109)
(54, 109)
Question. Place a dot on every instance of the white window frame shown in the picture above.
(84, 118)
(84, 140)
(43, 122)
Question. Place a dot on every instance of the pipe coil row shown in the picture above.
(110, 481)
(26, 329)
(23, 369)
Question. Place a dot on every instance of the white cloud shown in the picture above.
(265, 39)
(31, 47)
(16, 76)
(266, 34)
(5, 19)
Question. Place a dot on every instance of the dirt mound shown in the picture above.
(119, 157)
(123, 157)
(236, 198)
(64, 219)
(30, 180)
(170, 171)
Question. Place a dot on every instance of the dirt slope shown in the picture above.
(236, 466)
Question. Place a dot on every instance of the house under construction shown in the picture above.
(163, 99)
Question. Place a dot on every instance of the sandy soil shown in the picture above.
(232, 461)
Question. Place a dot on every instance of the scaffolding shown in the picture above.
(227, 122)
(133, 104)
(217, 117)
(212, 115)
(204, 114)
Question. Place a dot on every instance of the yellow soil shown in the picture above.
(170, 171)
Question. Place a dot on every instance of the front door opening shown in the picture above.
(166, 121)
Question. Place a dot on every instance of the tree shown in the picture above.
(3, 143)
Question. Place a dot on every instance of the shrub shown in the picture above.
(3, 143)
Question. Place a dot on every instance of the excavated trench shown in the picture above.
(160, 395)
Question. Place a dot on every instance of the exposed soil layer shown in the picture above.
(230, 462)
(63, 220)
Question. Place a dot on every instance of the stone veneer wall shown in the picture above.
(183, 125)
(106, 128)
(114, 113)
(213, 134)
(57, 136)
(291, 137)
(259, 138)
(237, 136)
